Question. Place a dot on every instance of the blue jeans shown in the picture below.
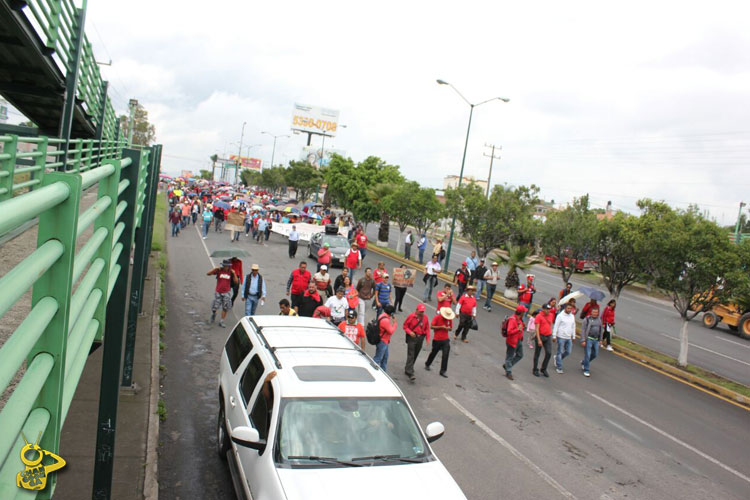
(251, 304)
(428, 289)
(564, 347)
(527, 305)
(351, 273)
(175, 229)
(364, 253)
(513, 355)
(421, 255)
(490, 292)
(381, 355)
(591, 351)
(206, 226)
(480, 286)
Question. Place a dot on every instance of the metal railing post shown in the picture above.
(59, 224)
(109, 390)
(71, 79)
(41, 162)
(148, 216)
(8, 168)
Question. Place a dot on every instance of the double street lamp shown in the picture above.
(273, 152)
(463, 160)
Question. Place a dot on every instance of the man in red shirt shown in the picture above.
(361, 240)
(387, 324)
(514, 341)
(297, 284)
(467, 312)
(446, 297)
(461, 278)
(544, 321)
(442, 323)
(353, 330)
(417, 327)
(225, 279)
(353, 260)
(324, 255)
(526, 293)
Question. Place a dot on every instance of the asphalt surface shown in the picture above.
(648, 321)
(626, 432)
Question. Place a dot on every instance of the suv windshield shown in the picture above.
(340, 432)
(335, 241)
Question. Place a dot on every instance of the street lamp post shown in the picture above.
(463, 159)
(737, 227)
(239, 154)
(273, 152)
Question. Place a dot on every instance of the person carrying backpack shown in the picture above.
(513, 332)
(386, 325)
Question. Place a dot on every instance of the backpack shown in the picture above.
(504, 328)
(372, 331)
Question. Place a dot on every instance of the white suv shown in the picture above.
(305, 414)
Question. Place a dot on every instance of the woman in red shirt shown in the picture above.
(608, 320)
(387, 324)
(442, 324)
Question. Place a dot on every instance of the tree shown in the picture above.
(411, 205)
(617, 252)
(427, 210)
(214, 158)
(272, 178)
(144, 133)
(505, 218)
(738, 280)
(689, 258)
(517, 258)
(206, 174)
(250, 177)
(570, 235)
(379, 196)
(303, 177)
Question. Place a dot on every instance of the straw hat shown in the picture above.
(447, 313)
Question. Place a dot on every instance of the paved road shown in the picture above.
(627, 432)
(648, 321)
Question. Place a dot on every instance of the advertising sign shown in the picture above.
(404, 277)
(315, 120)
(311, 155)
(247, 162)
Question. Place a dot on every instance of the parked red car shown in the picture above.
(581, 266)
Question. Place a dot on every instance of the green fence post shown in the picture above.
(41, 162)
(60, 224)
(109, 390)
(71, 78)
(8, 168)
(148, 217)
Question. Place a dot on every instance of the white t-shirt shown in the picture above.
(432, 268)
(491, 276)
(337, 306)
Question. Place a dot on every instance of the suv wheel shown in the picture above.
(222, 438)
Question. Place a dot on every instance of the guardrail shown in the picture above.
(56, 22)
(79, 297)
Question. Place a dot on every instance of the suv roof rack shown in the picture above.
(259, 330)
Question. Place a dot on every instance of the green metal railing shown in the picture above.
(56, 22)
(73, 290)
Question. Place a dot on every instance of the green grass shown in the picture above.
(159, 239)
(691, 369)
(161, 410)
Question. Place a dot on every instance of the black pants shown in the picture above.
(437, 346)
(607, 336)
(546, 339)
(235, 291)
(292, 249)
(400, 292)
(407, 251)
(413, 348)
(461, 289)
(464, 325)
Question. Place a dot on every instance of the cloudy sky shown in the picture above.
(620, 100)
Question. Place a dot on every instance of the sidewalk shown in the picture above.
(137, 421)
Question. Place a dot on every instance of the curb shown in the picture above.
(151, 477)
(659, 366)
(673, 371)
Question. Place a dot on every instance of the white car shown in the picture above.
(305, 414)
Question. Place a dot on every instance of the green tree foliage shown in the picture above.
(505, 218)
(518, 257)
(303, 177)
(738, 280)
(379, 196)
(144, 133)
(688, 257)
(620, 262)
(412, 205)
(271, 179)
(206, 174)
(570, 233)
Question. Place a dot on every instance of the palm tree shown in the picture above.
(377, 195)
(518, 258)
(214, 159)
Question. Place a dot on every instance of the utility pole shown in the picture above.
(239, 154)
(132, 104)
(492, 158)
(737, 227)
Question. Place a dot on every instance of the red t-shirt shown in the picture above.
(443, 301)
(544, 323)
(362, 241)
(354, 332)
(442, 334)
(223, 279)
(352, 260)
(377, 275)
(324, 256)
(468, 304)
(387, 327)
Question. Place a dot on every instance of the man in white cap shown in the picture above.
(442, 324)
(254, 290)
(322, 280)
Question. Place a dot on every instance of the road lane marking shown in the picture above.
(520, 456)
(672, 438)
(732, 342)
(705, 349)
(203, 242)
(623, 429)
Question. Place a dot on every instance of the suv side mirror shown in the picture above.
(434, 431)
(248, 437)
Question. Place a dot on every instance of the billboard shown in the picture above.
(247, 162)
(315, 120)
(311, 155)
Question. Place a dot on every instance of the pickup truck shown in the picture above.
(581, 266)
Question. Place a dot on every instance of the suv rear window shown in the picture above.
(238, 346)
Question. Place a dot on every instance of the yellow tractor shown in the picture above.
(732, 315)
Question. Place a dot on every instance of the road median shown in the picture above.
(705, 380)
